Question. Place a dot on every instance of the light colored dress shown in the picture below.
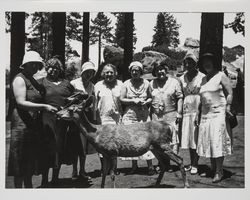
(191, 104)
(108, 102)
(137, 113)
(78, 85)
(213, 139)
(164, 105)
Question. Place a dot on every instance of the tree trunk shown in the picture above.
(58, 41)
(99, 49)
(85, 43)
(17, 44)
(17, 47)
(211, 37)
(128, 44)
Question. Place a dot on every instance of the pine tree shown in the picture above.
(238, 24)
(100, 30)
(40, 37)
(74, 26)
(166, 31)
(120, 30)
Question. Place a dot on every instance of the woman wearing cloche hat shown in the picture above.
(85, 85)
(25, 126)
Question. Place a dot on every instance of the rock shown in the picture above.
(110, 52)
(191, 43)
(149, 59)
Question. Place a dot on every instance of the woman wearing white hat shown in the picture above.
(25, 126)
(191, 82)
(136, 97)
(85, 85)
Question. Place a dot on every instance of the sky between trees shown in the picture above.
(144, 24)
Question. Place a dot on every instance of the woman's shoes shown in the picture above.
(188, 168)
(151, 171)
(133, 170)
(84, 176)
(74, 176)
(217, 178)
(193, 170)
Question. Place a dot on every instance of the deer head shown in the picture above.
(73, 110)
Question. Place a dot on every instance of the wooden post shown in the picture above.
(58, 29)
(211, 36)
(128, 44)
(85, 42)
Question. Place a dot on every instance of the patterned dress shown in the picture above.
(25, 135)
(213, 139)
(137, 113)
(164, 104)
(191, 104)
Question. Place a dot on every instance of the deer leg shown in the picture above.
(162, 166)
(112, 170)
(106, 167)
(168, 152)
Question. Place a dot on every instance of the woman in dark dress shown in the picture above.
(25, 126)
(57, 91)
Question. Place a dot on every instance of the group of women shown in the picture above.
(194, 105)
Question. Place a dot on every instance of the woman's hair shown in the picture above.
(56, 63)
(108, 65)
(141, 70)
(161, 65)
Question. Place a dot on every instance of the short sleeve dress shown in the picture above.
(164, 104)
(137, 113)
(213, 140)
(108, 102)
(55, 130)
(25, 134)
(191, 104)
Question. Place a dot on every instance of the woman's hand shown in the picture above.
(178, 118)
(228, 110)
(137, 101)
(196, 120)
(50, 108)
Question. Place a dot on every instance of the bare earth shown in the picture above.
(234, 176)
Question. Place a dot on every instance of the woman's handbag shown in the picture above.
(232, 119)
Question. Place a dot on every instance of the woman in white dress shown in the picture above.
(136, 97)
(108, 92)
(191, 81)
(216, 97)
(167, 101)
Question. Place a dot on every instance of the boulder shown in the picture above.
(149, 59)
(191, 43)
(110, 52)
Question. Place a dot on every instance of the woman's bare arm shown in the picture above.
(123, 97)
(226, 84)
(19, 89)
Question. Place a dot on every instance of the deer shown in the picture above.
(121, 140)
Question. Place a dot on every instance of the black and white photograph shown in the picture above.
(118, 99)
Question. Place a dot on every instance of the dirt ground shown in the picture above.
(234, 176)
